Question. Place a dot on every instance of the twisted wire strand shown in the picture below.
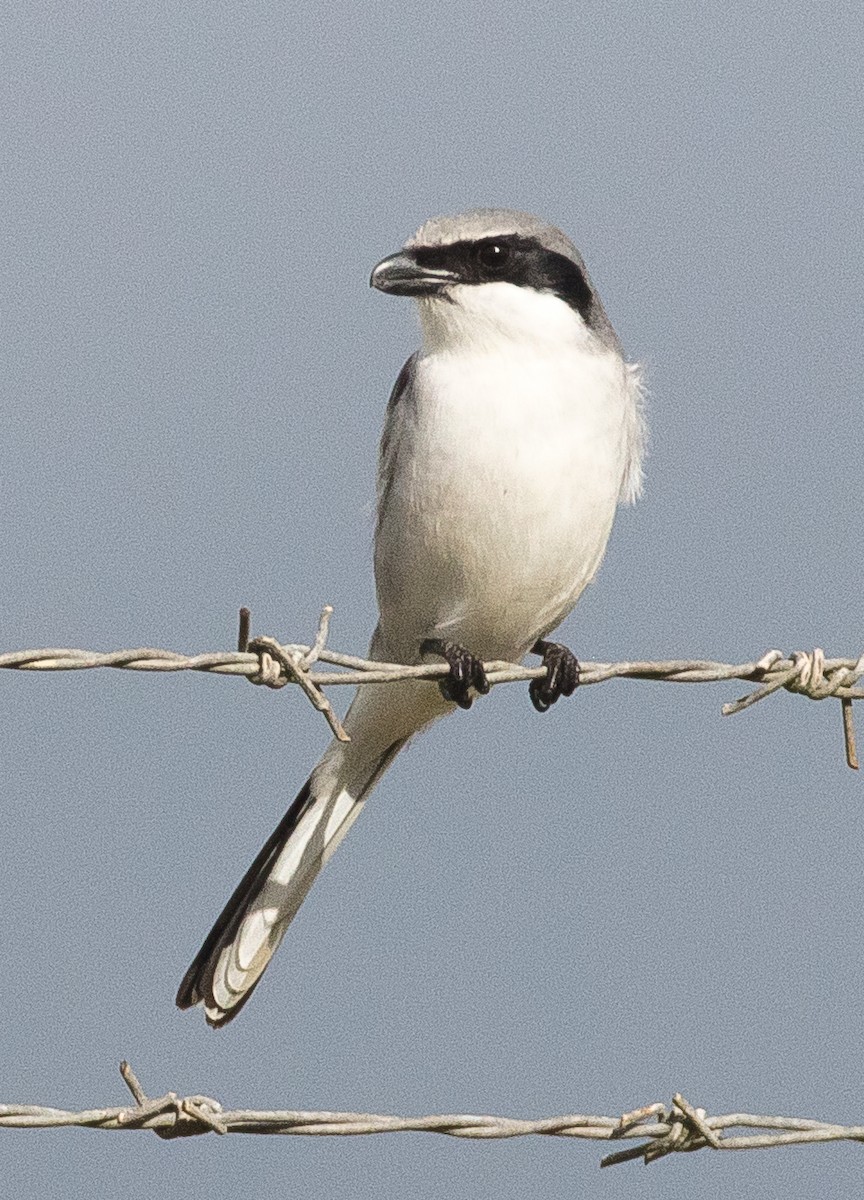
(839, 675)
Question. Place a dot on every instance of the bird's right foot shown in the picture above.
(466, 671)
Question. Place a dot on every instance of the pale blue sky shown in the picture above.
(631, 895)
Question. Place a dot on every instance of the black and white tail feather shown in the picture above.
(251, 926)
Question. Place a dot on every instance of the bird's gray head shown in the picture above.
(465, 260)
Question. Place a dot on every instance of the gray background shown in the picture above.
(583, 912)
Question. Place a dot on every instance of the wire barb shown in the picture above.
(187, 1114)
(849, 733)
(131, 1080)
(810, 675)
(279, 665)
(243, 630)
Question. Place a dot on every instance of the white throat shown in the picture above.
(491, 317)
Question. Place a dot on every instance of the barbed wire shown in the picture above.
(680, 1128)
(266, 661)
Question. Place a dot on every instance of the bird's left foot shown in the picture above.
(562, 674)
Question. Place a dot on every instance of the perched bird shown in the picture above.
(510, 437)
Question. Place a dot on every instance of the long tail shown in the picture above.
(248, 931)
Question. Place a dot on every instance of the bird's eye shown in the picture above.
(492, 256)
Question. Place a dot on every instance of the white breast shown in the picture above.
(507, 463)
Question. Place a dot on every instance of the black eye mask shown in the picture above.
(510, 258)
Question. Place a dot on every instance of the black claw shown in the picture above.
(562, 675)
(466, 672)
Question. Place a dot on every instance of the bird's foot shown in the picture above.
(562, 674)
(466, 671)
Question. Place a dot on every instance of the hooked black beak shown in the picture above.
(402, 275)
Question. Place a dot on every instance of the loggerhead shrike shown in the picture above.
(511, 435)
